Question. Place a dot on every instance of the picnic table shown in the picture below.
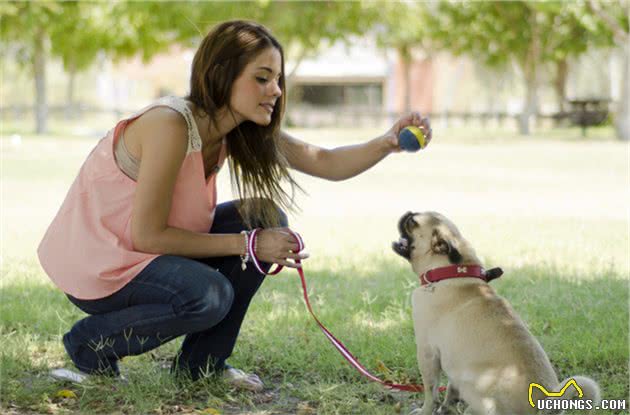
(588, 112)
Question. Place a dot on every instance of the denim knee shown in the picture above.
(208, 304)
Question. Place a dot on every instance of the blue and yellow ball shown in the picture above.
(411, 139)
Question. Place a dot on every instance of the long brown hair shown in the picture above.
(257, 161)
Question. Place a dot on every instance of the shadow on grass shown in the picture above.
(581, 321)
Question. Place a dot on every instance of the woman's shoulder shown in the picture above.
(166, 109)
(156, 122)
(164, 115)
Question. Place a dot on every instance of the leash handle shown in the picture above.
(335, 342)
(251, 248)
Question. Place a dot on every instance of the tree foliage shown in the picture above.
(404, 27)
(528, 34)
(616, 17)
(24, 26)
(301, 27)
(76, 32)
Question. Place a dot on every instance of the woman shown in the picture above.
(139, 243)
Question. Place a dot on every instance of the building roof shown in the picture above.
(357, 61)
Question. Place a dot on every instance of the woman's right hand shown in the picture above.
(277, 245)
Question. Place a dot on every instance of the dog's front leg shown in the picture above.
(429, 364)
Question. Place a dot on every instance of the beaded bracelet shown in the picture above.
(245, 257)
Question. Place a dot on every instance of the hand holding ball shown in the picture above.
(411, 139)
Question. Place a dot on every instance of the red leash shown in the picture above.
(338, 344)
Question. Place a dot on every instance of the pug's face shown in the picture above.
(428, 240)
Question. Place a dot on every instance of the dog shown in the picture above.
(462, 327)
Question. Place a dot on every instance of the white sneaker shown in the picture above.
(68, 375)
(77, 377)
(241, 380)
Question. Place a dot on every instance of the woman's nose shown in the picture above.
(276, 91)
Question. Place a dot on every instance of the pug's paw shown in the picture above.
(421, 411)
(447, 410)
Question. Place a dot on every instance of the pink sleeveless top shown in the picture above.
(87, 250)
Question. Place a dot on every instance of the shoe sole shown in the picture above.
(68, 375)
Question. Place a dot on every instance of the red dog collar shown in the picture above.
(459, 271)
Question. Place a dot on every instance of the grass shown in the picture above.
(552, 210)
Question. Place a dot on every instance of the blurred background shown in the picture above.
(76, 67)
(528, 103)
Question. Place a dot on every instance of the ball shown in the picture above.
(411, 139)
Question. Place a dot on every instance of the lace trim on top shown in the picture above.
(131, 165)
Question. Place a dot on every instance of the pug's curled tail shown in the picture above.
(590, 391)
(590, 388)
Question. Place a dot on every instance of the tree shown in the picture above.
(77, 31)
(301, 27)
(571, 38)
(148, 28)
(576, 31)
(527, 34)
(404, 27)
(616, 17)
(25, 25)
(77, 38)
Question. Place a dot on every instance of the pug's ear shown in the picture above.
(442, 246)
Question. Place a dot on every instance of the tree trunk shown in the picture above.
(530, 106)
(530, 72)
(560, 83)
(622, 115)
(39, 70)
(405, 58)
(291, 74)
(407, 73)
(70, 105)
(622, 38)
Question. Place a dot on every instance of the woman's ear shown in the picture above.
(442, 246)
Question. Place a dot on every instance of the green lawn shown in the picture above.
(551, 210)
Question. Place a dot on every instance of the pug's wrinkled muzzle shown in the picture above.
(403, 246)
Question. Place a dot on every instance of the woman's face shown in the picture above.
(256, 90)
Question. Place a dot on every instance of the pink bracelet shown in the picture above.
(251, 250)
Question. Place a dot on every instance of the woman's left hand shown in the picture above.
(414, 118)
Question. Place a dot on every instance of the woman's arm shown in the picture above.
(345, 162)
(163, 137)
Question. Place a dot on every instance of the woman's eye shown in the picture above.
(261, 80)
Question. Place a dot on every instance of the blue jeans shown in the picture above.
(204, 299)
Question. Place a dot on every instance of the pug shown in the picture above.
(462, 327)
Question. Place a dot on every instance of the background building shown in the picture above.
(354, 83)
